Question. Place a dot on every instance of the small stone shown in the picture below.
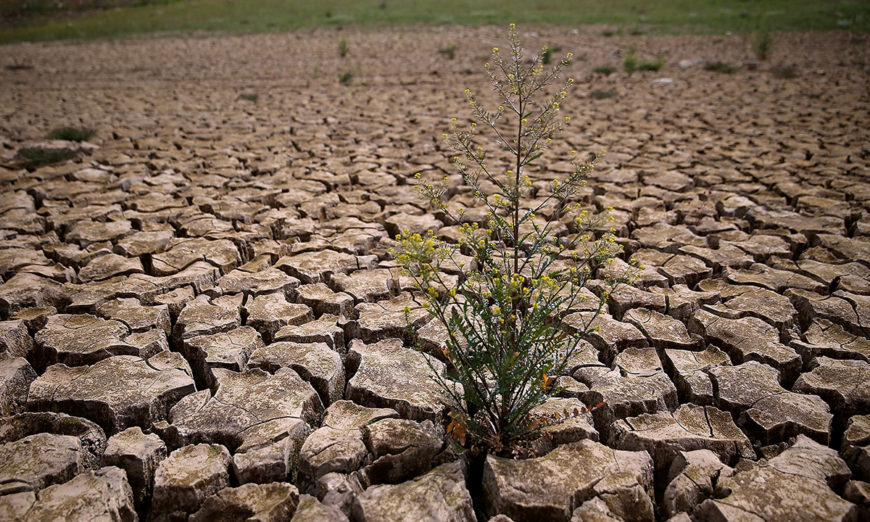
(626, 297)
(136, 317)
(402, 449)
(546, 488)
(769, 413)
(230, 350)
(95, 495)
(116, 393)
(764, 492)
(665, 434)
(844, 384)
(90, 435)
(16, 374)
(318, 266)
(689, 372)
(138, 455)
(314, 362)
(324, 301)
(858, 492)
(811, 306)
(663, 331)
(608, 335)
(365, 285)
(748, 339)
(34, 318)
(186, 478)
(439, 495)
(86, 232)
(273, 502)
(691, 480)
(14, 338)
(311, 510)
(771, 278)
(270, 312)
(260, 282)
(183, 252)
(413, 224)
(39, 460)
(387, 319)
(203, 317)
(325, 330)
(388, 375)
(77, 340)
(110, 265)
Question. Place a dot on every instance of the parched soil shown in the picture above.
(203, 296)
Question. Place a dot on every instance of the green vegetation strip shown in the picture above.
(20, 21)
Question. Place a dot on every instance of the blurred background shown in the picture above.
(40, 20)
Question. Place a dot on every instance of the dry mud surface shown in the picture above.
(200, 317)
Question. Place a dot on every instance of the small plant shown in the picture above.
(601, 95)
(814, 95)
(762, 43)
(506, 342)
(251, 97)
(449, 51)
(654, 65)
(720, 67)
(604, 69)
(345, 78)
(784, 72)
(632, 63)
(71, 133)
(342, 47)
(547, 54)
(36, 156)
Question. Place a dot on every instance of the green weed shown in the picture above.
(507, 339)
(32, 157)
(71, 133)
(449, 51)
(720, 67)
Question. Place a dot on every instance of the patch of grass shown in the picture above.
(604, 69)
(784, 72)
(345, 78)
(602, 95)
(762, 43)
(632, 63)
(71, 133)
(547, 54)
(720, 67)
(36, 156)
(654, 65)
(342, 47)
(814, 95)
(449, 51)
(675, 16)
(251, 97)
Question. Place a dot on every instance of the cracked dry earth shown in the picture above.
(200, 319)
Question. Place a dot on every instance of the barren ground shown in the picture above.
(207, 241)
